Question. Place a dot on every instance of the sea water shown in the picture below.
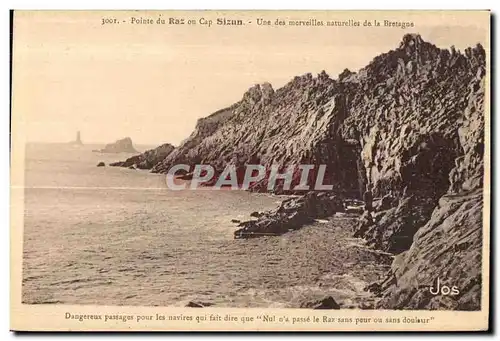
(118, 236)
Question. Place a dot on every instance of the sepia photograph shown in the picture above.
(283, 170)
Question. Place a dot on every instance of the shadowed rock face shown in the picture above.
(449, 245)
(411, 123)
(147, 159)
(120, 146)
(449, 248)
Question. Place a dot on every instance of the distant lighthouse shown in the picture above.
(78, 140)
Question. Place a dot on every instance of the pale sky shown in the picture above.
(152, 82)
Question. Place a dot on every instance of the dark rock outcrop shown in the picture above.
(292, 214)
(325, 303)
(120, 146)
(449, 248)
(256, 214)
(393, 230)
(196, 304)
(147, 159)
(101, 164)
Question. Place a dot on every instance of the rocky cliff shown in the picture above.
(120, 146)
(293, 125)
(411, 124)
(448, 247)
(147, 159)
(205, 127)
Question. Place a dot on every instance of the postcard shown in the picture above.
(250, 170)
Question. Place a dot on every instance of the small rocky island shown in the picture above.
(120, 146)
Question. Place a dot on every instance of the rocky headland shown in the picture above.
(411, 124)
(124, 145)
(147, 159)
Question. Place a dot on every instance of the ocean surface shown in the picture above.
(117, 236)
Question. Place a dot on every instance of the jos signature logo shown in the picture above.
(440, 289)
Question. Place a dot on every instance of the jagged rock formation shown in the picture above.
(411, 123)
(292, 214)
(449, 246)
(120, 146)
(293, 125)
(147, 159)
(204, 128)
